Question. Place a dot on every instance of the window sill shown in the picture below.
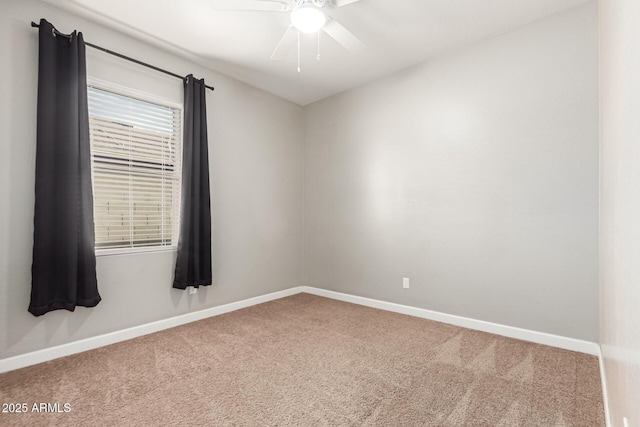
(134, 251)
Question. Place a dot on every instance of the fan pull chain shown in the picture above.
(318, 57)
(298, 51)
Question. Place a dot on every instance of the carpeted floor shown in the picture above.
(306, 361)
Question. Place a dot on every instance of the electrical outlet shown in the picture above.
(193, 290)
(625, 421)
(405, 282)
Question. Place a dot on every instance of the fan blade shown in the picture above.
(344, 36)
(284, 46)
(251, 5)
(340, 3)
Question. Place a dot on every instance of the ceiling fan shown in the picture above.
(306, 16)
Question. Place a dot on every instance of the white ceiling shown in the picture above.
(397, 33)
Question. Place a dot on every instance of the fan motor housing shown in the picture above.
(316, 3)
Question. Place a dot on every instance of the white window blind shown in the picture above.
(136, 156)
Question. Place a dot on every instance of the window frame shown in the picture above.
(127, 91)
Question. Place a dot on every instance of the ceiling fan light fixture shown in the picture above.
(308, 19)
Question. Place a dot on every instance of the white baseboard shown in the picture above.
(28, 359)
(465, 322)
(33, 358)
(605, 394)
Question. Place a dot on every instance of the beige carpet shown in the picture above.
(307, 361)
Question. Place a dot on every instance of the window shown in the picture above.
(136, 156)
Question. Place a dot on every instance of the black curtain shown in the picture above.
(193, 265)
(64, 262)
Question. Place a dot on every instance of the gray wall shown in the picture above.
(475, 175)
(620, 207)
(256, 158)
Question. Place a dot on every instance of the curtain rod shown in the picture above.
(119, 55)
